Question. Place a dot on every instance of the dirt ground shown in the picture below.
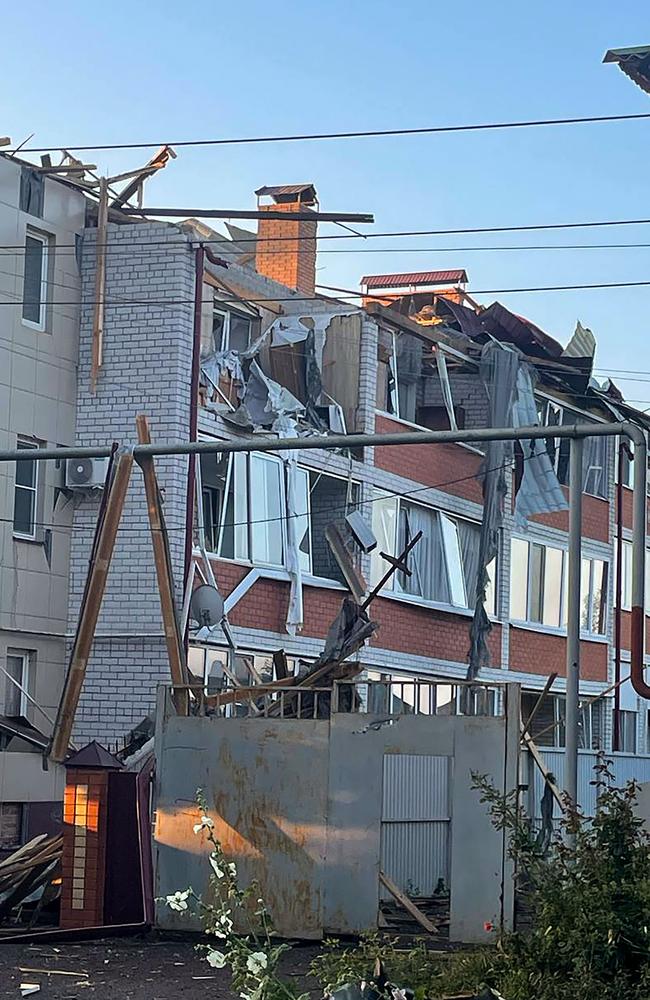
(127, 969)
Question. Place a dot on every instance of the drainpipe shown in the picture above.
(199, 258)
(637, 640)
(616, 735)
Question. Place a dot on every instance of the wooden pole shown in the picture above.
(162, 560)
(104, 543)
(100, 284)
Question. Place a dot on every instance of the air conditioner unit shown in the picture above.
(85, 473)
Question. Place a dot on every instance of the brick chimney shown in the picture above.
(286, 251)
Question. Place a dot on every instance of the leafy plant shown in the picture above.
(589, 901)
(252, 958)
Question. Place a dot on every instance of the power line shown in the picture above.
(395, 234)
(365, 134)
(340, 298)
(116, 251)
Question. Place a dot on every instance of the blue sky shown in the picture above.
(138, 72)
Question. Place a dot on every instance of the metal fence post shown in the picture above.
(573, 619)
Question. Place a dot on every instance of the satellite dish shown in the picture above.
(206, 605)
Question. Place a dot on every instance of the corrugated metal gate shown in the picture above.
(415, 821)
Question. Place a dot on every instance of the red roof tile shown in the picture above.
(414, 278)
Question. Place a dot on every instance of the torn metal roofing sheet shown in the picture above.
(635, 63)
(413, 278)
(507, 326)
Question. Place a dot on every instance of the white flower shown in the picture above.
(226, 922)
(219, 872)
(256, 962)
(205, 824)
(232, 868)
(178, 900)
(218, 932)
(216, 959)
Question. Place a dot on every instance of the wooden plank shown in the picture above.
(353, 577)
(540, 701)
(100, 285)
(280, 664)
(173, 638)
(407, 903)
(102, 553)
(533, 749)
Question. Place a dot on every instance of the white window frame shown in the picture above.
(225, 333)
(590, 604)
(243, 539)
(450, 541)
(26, 444)
(529, 572)
(45, 241)
(25, 656)
(586, 632)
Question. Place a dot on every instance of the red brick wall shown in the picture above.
(543, 653)
(595, 518)
(404, 627)
(292, 262)
(430, 464)
(425, 632)
(627, 508)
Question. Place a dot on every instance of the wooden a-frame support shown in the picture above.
(106, 529)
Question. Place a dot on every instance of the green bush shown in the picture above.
(589, 900)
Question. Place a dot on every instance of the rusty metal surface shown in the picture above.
(266, 783)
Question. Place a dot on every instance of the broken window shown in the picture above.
(244, 511)
(234, 485)
(548, 727)
(32, 189)
(399, 372)
(538, 591)
(444, 564)
(595, 462)
(330, 500)
(17, 670)
(231, 331)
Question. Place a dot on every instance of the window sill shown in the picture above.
(30, 539)
(276, 572)
(419, 427)
(453, 609)
(561, 632)
(39, 327)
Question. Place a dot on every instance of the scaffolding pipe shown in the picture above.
(573, 621)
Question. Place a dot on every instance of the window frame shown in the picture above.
(225, 331)
(46, 242)
(561, 445)
(23, 443)
(242, 543)
(585, 631)
(25, 656)
(393, 586)
(528, 620)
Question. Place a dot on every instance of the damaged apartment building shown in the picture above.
(220, 337)
(273, 531)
